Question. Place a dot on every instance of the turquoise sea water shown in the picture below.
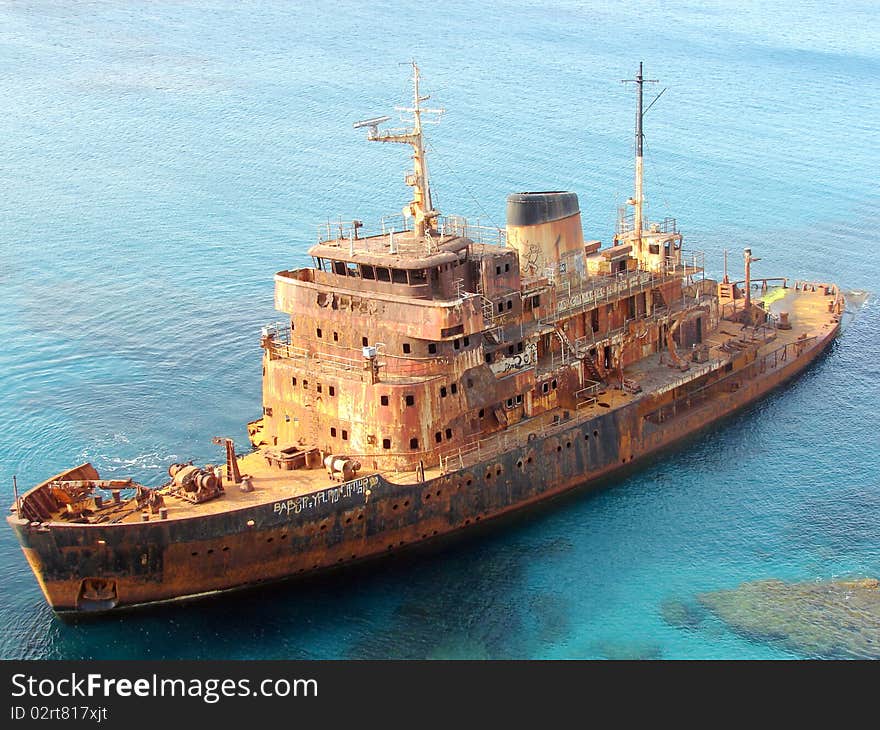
(161, 161)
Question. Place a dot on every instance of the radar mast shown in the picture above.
(421, 208)
(638, 200)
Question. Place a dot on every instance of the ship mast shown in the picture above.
(421, 208)
(638, 200)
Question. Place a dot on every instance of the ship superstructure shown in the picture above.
(429, 375)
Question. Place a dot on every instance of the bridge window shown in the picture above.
(386, 443)
(410, 400)
(333, 431)
(383, 400)
(339, 267)
(406, 348)
(367, 272)
(510, 304)
(365, 341)
(398, 276)
(507, 267)
(482, 412)
(414, 443)
(336, 337)
(318, 332)
(332, 390)
(454, 388)
(383, 274)
(305, 384)
(442, 391)
(344, 435)
(438, 437)
(417, 277)
(466, 341)
(448, 433)
(497, 271)
(293, 381)
(432, 348)
(319, 388)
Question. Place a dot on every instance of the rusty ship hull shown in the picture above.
(430, 377)
(370, 517)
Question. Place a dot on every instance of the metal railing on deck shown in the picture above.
(342, 232)
(354, 367)
(770, 361)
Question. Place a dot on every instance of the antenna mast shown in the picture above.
(638, 200)
(421, 208)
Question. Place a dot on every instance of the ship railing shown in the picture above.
(588, 395)
(686, 262)
(340, 231)
(772, 360)
(572, 300)
(357, 367)
(481, 449)
(456, 225)
(323, 362)
(477, 450)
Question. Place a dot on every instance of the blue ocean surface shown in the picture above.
(160, 161)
